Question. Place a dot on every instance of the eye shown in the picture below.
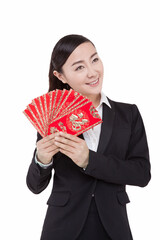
(79, 68)
(95, 59)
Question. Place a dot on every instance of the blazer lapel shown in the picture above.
(106, 127)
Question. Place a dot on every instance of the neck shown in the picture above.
(95, 99)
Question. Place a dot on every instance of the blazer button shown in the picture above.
(93, 195)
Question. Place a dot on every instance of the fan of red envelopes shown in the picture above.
(62, 110)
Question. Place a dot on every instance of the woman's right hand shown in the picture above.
(46, 148)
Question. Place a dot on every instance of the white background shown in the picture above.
(127, 37)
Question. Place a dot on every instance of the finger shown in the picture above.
(49, 137)
(52, 148)
(50, 154)
(49, 141)
(70, 136)
(46, 144)
(65, 147)
(65, 141)
(67, 153)
(54, 151)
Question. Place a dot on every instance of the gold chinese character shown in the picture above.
(94, 112)
(76, 125)
(53, 130)
(61, 125)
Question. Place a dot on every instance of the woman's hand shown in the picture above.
(74, 147)
(46, 148)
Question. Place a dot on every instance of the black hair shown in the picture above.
(62, 50)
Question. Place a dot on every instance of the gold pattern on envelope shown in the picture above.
(75, 110)
(61, 125)
(94, 112)
(76, 125)
(53, 129)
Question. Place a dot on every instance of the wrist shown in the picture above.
(41, 161)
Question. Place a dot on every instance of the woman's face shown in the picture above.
(83, 70)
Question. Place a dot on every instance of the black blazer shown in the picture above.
(122, 158)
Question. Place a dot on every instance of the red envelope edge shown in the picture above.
(62, 110)
(34, 123)
(76, 122)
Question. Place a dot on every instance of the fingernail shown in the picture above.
(61, 133)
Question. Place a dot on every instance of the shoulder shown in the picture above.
(128, 111)
(121, 106)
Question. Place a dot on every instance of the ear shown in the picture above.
(60, 76)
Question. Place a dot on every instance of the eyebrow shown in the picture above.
(81, 61)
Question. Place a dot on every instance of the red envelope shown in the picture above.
(76, 121)
(31, 118)
(62, 110)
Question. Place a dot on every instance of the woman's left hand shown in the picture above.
(74, 147)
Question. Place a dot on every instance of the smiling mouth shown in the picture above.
(93, 82)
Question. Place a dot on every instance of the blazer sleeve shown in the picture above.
(38, 178)
(134, 169)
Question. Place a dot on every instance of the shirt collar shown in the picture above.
(104, 99)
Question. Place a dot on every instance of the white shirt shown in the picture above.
(92, 135)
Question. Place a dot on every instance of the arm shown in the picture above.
(134, 169)
(41, 164)
(39, 177)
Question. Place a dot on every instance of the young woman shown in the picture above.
(88, 199)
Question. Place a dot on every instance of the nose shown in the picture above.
(91, 71)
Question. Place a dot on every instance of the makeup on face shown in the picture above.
(83, 71)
